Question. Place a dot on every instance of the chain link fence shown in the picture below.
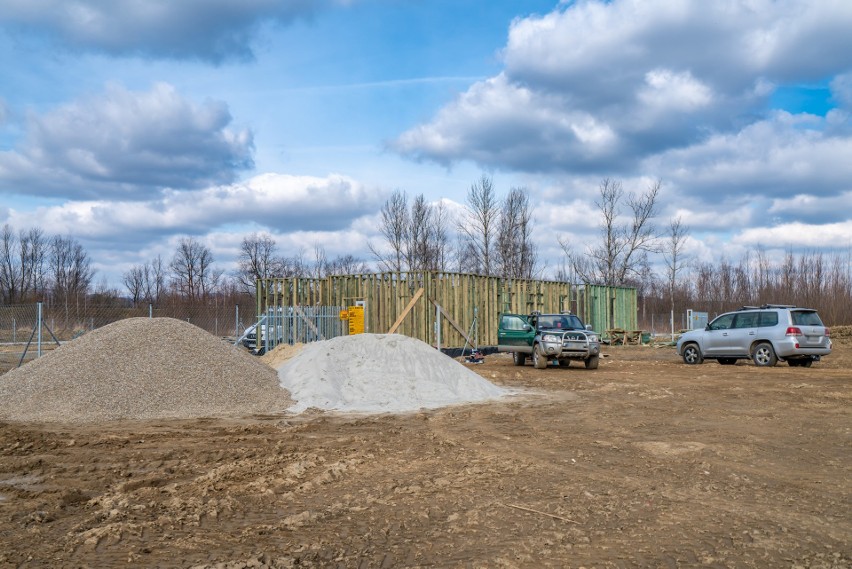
(22, 339)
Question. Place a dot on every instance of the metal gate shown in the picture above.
(296, 325)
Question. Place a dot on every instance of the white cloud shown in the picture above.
(499, 123)
(128, 145)
(779, 157)
(812, 208)
(281, 203)
(799, 235)
(212, 30)
(603, 86)
(668, 90)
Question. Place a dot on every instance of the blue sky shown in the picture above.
(129, 125)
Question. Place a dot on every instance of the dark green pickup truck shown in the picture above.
(548, 337)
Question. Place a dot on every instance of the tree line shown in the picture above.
(489, 235)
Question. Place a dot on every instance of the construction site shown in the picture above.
(150, 442)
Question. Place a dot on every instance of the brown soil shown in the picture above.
(645, 462)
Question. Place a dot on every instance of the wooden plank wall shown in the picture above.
(385, 296)
(601, 306)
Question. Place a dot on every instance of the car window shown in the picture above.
(805, 318)
(545, 321)
(573, 323)
(746, 320)
(768, 318)
(512, 323)
(722, 323)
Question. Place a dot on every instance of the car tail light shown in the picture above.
(827, 333)
(794, 331)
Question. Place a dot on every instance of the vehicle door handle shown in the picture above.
(751, 333)
(724, 333)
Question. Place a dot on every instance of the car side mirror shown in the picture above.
(589, 327)
(527, 328)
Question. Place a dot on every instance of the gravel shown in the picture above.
(380, 373)
(141, 368)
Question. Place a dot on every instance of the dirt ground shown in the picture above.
(645, 462)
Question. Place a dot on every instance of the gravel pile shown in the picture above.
(380, 373)
(141, 368)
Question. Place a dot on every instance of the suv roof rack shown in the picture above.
(765, 306)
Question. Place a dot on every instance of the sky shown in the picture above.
(131, 124)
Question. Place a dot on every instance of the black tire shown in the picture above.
(807, 363)
(727, 361)
(592, 362)
(692, 355)
(519, 358)
(539, 359)
(764, 355)
(565, 363)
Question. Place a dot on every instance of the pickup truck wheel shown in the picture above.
(692, 354)
(519, 358)
(539, 359)
(565, 363)
(764, 355)
(592, 362)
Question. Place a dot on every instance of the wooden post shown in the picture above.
(405, 312)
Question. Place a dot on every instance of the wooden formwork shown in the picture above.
(387, 295)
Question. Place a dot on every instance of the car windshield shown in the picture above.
(560, 321)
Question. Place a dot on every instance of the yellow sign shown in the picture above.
(344, 315)
(356, 319)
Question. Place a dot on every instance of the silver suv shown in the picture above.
(764, 334)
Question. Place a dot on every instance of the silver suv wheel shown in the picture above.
(692, 354)
(764, 355)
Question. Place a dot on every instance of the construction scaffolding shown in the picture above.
(411, 303)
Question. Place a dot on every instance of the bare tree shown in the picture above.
(439, 238)
(675, 259)
(22, 264)
(258, 259)
(134, 281)
(11, 273)
(346, 265)
(71, 272)
(193, 274)
(417, 239)
(155, 280)
(320, 264)
(393, 226)
(479, 226)
(619, 253)
(517, 254)
(417, 236)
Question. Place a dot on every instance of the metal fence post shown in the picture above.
(39, 323)
(150, 310)
(237, 320)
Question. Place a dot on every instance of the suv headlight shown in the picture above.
(550, 338)
(593, 337)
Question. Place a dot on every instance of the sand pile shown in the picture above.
(280, 354)
(141, 368)
(380, 373)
